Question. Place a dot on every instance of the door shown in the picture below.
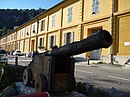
(32, 45)
(95, 54)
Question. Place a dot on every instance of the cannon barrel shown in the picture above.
(101, 39)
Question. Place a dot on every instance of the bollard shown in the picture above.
(16, 60)
(88, 59)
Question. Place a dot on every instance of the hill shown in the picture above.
(14, 17)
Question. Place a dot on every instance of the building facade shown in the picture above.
(74, 20)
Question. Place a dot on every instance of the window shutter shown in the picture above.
(69, 14)
(42, 41)
(53, 20)
(64, 38)
(97, 2)
(49, 42)
(72, 37)
(41, 25)
(93, 6)
(39, 41)
(54, 42)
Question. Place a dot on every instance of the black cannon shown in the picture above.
(54, 71)
(102, 39)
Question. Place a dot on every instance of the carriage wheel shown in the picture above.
(27, 76)
(40, 83)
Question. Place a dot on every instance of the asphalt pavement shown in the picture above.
(104, 76)
(21, 60)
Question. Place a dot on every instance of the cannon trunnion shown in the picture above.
(54, 71)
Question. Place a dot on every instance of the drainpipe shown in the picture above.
(112, 30)
(37, 33)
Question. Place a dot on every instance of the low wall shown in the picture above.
(121, 60)
(117, 60)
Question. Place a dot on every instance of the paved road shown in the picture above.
(100, 75)
(22, 60)
(104, 76)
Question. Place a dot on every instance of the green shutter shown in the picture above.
(72, 37)
(54, 42)
(64, 38)
(49, 42)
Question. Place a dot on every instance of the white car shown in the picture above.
(3, 57)
(19, 53)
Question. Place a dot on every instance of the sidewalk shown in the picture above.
(95, 63)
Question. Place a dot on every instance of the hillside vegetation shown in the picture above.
(14, 17)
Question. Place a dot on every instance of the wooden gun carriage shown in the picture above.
(54, 71)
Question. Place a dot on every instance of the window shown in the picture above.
(96, 30)
(17, 46)
(52, 41)
(69, 14)
(68, 38)
(53, 20)
(14, 36)
(27, 32)
(22, 33)
(42, 25)
(41, 42)
(11, 37)
(95, 7)
(18, 34)
(34, 28)
(5, 39)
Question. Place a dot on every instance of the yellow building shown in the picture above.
(74, 20)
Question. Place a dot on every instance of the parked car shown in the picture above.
(3, 56)
(11, 52)
(33, 53)
(19, 53)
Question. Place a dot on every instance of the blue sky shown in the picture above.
(27, 4)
